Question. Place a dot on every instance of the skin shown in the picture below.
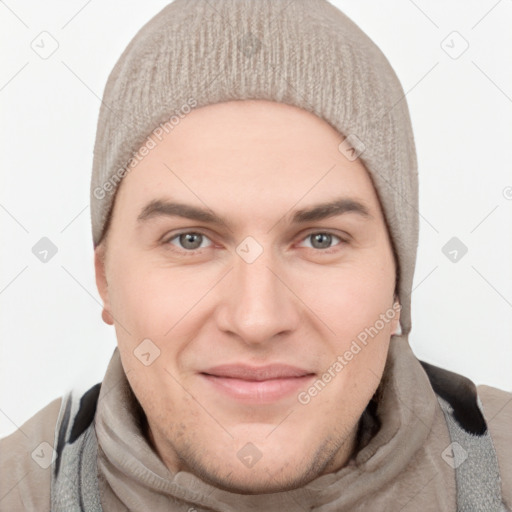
(301, 302)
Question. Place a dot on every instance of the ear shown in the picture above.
(102, 284)
(395, 321)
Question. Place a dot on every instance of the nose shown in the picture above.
(258, 302)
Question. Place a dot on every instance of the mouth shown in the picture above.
(266, 384)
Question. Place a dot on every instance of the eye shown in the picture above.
(192, 241)
(322, 240)
(188, 241)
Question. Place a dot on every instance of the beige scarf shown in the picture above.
(398, 458)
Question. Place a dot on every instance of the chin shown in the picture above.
(262, 481)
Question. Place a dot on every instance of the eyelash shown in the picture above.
(167, 242)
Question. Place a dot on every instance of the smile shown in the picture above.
(257, 391)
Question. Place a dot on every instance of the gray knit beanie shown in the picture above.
(304, 53)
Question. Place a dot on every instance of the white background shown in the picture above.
(51, 333)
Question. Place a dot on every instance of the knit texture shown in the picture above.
(304, 53)
(477, 470)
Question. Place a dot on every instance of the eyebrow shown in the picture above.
(161, 207)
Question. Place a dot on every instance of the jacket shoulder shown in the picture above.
(497, 407)
(26, 458)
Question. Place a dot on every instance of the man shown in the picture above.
(254, 214)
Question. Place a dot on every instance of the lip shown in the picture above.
(248, 372)
(264, 384)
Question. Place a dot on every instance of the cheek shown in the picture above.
(351, 298)
(161, 304)
(146, 298)
(355, 303)
(358, 350)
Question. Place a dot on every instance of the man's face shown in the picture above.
(270, 286)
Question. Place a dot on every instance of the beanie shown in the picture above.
(304, 53)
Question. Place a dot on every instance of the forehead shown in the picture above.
(252, 155)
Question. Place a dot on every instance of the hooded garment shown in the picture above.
(400, 462)
(404, 460)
